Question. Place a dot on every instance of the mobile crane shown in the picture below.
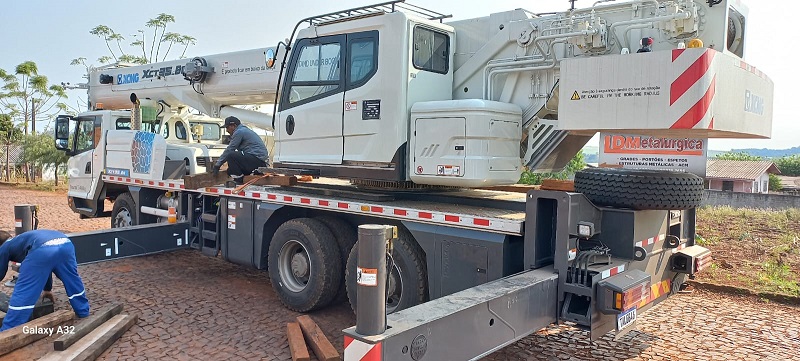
(397, 101)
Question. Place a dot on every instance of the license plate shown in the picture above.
(626, 319)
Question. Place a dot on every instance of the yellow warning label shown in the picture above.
(575, 96)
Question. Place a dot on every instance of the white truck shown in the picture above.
(412, 114)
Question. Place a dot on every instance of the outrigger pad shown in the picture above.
(43, 307)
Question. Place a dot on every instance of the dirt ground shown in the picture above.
(752, 249)
(192, 307)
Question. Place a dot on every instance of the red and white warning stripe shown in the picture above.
(426, 216)
(651, 240)
(698, 77)
(612, 271)
(355, 350)
(173, 184)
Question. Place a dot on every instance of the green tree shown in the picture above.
(774, 183)
(789, 165)
(738, 156)
(575, 164)
(9, 135)
(142, 50)
(28, 95)
(38, 149)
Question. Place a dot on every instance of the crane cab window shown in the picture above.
(85, 135)
(431, 50)
(316, 72)
(201, 131)
(152, 127)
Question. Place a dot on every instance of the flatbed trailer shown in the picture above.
(496, 266)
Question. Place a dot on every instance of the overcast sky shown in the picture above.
(52, 33)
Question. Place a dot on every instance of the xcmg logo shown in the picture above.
(127, 78)
(753, 103)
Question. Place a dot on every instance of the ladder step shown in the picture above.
(209, 217)
(210, 235)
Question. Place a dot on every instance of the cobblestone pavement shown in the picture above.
(192, 307)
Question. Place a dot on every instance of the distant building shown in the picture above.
(790, 185)
(745, 176)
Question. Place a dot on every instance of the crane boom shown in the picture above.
(206, 83)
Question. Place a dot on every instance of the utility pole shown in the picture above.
(33, 116)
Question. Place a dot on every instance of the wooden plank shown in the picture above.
(15, 338)
(202, 180)
(86, 326)
(96, 349)
(271, 180)
(297, 345)
(87, 341)
(515, 188)
(319, 343)
(558, 185)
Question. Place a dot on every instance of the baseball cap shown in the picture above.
(232, 121)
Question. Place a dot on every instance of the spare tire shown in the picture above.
(640, 189)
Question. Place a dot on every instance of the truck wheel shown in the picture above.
(408, 280)
(304, 264)
(346, 236)
(124, 212)
(640, 189)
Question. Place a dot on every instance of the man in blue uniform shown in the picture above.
(44, 252)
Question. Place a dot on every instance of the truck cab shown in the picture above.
(197, 140)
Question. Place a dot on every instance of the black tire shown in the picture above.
(124, 212)
(409, 260)
(346, 236)
(304, 264)
(640, 189)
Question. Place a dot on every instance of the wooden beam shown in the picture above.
(15, 338)
(297, 345)
(87, 325)
(91, 346)
(319, 343)
(558, 185)
(202, 180)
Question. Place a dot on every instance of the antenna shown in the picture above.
(572, 4)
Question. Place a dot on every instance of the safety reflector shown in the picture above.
(624, 301)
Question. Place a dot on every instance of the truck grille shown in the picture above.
(205, 161)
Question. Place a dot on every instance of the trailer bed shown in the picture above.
(493, 211)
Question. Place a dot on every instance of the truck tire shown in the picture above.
(409, 271)
(124, 212)
(640, 189)
(346, 236)
(304, 264)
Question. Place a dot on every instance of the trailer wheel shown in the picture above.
(346, 236)
(408, 281)
(124, 212)
(304, 264)
(640, 189)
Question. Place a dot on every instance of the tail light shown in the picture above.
(690, 260)
(624, 301)
(622, 292)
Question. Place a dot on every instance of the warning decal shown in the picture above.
(367, 276)
(575, 96)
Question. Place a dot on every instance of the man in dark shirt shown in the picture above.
(246, 151)
(42, 253)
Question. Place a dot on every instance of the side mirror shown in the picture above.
(62, 132)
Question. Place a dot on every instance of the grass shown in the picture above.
(753, 249)
(47, 186)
